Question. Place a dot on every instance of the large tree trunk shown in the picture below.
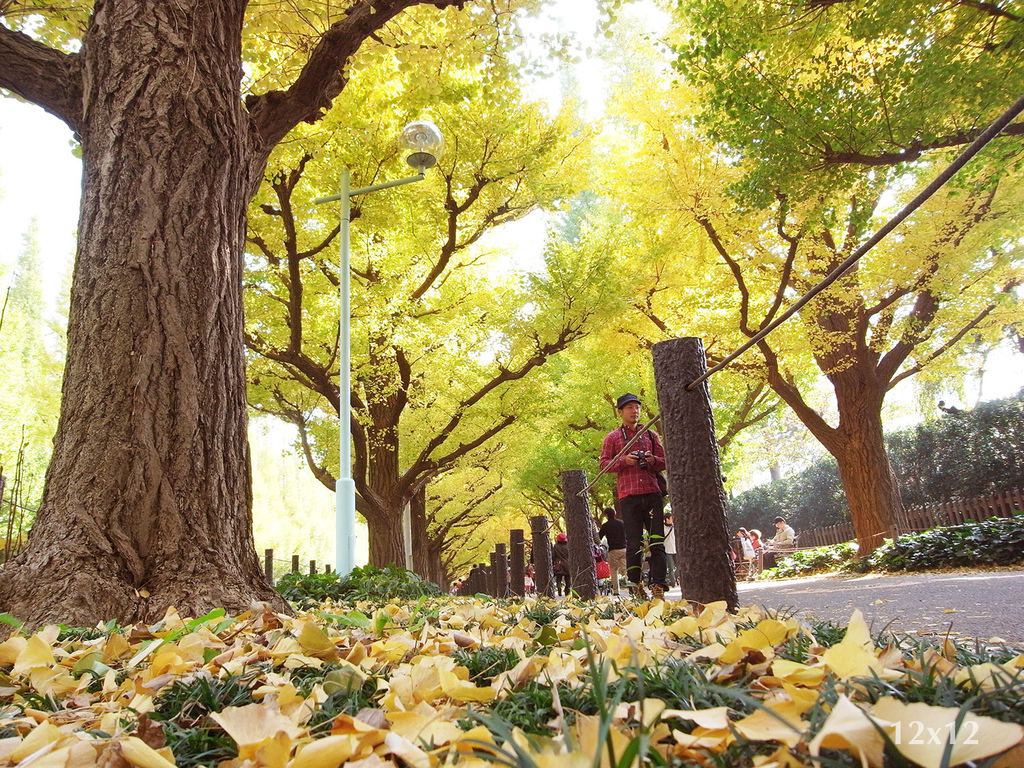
(386, 537)
(871, 490)
(147, 501)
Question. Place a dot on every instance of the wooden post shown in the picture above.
(312, 567)
(492, 575)
(543, 575)
(500, 571)
(579, 524)
(295, 563)
(268, 565)
(517, 563)
(694, 473)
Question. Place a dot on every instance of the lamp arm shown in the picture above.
(368, 190)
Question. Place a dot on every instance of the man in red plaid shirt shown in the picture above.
(640, 500)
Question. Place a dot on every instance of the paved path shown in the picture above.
(975, 604)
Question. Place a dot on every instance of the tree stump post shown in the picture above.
(517, 563)
(268, 565)
(312, 567)
(501, 571)
(694, 472)
(543, 575)
(579, 525)
(295, 563)
(492, 575)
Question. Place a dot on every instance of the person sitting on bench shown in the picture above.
(783, 541)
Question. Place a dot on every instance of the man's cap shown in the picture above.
(780, 519)
(625, 400)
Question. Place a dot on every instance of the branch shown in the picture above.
(275, 113)
(42, 75)
(787, 268)
(568, 334)
(914, 150)
(787, 390)
(291, 413)
(737, 273)
(742, 417)
(944, 348)
(482, 438)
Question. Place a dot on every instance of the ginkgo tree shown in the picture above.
(178, 108)
(761, 228)
(445, 337)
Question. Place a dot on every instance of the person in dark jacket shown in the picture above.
(614, 533)
(560, 564)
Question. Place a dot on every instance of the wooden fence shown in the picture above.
(295, 566)
(1004, 504)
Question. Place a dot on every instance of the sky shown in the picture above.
(39, 177)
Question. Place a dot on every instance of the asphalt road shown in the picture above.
(986, 605)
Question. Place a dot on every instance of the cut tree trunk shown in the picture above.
(147, 500)
(694, 473)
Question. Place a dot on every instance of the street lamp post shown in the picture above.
(426, 145)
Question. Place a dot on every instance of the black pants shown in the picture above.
(562, 584)
(644, 513)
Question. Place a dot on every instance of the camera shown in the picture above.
(641, 459)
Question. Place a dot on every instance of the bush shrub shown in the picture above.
(367, 583)
(997, 541)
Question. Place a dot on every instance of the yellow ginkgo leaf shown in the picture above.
(988, 676)
(855, 655)
(716, 718)
(797, 673)
(274, 752)
(328, 752)
(11, 648)
(137, 752)
(253, 723)
(771, 725)
(85, 754)
(848, 727)
(687, 626)
(587, 734)
(424, 726)
(315, 640)
(462, 690)
(921, 733)
(36, 653)
(646, 712)
(566, 760)
(406, 750)
(56, 758)
(702, 738)
(42, 735)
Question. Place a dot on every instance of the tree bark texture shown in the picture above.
(516, 563)
(147, 501)
(544, 576)
(694, 473)
(426, 551)
(500, 564)
(872, 492)
(579, 524)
